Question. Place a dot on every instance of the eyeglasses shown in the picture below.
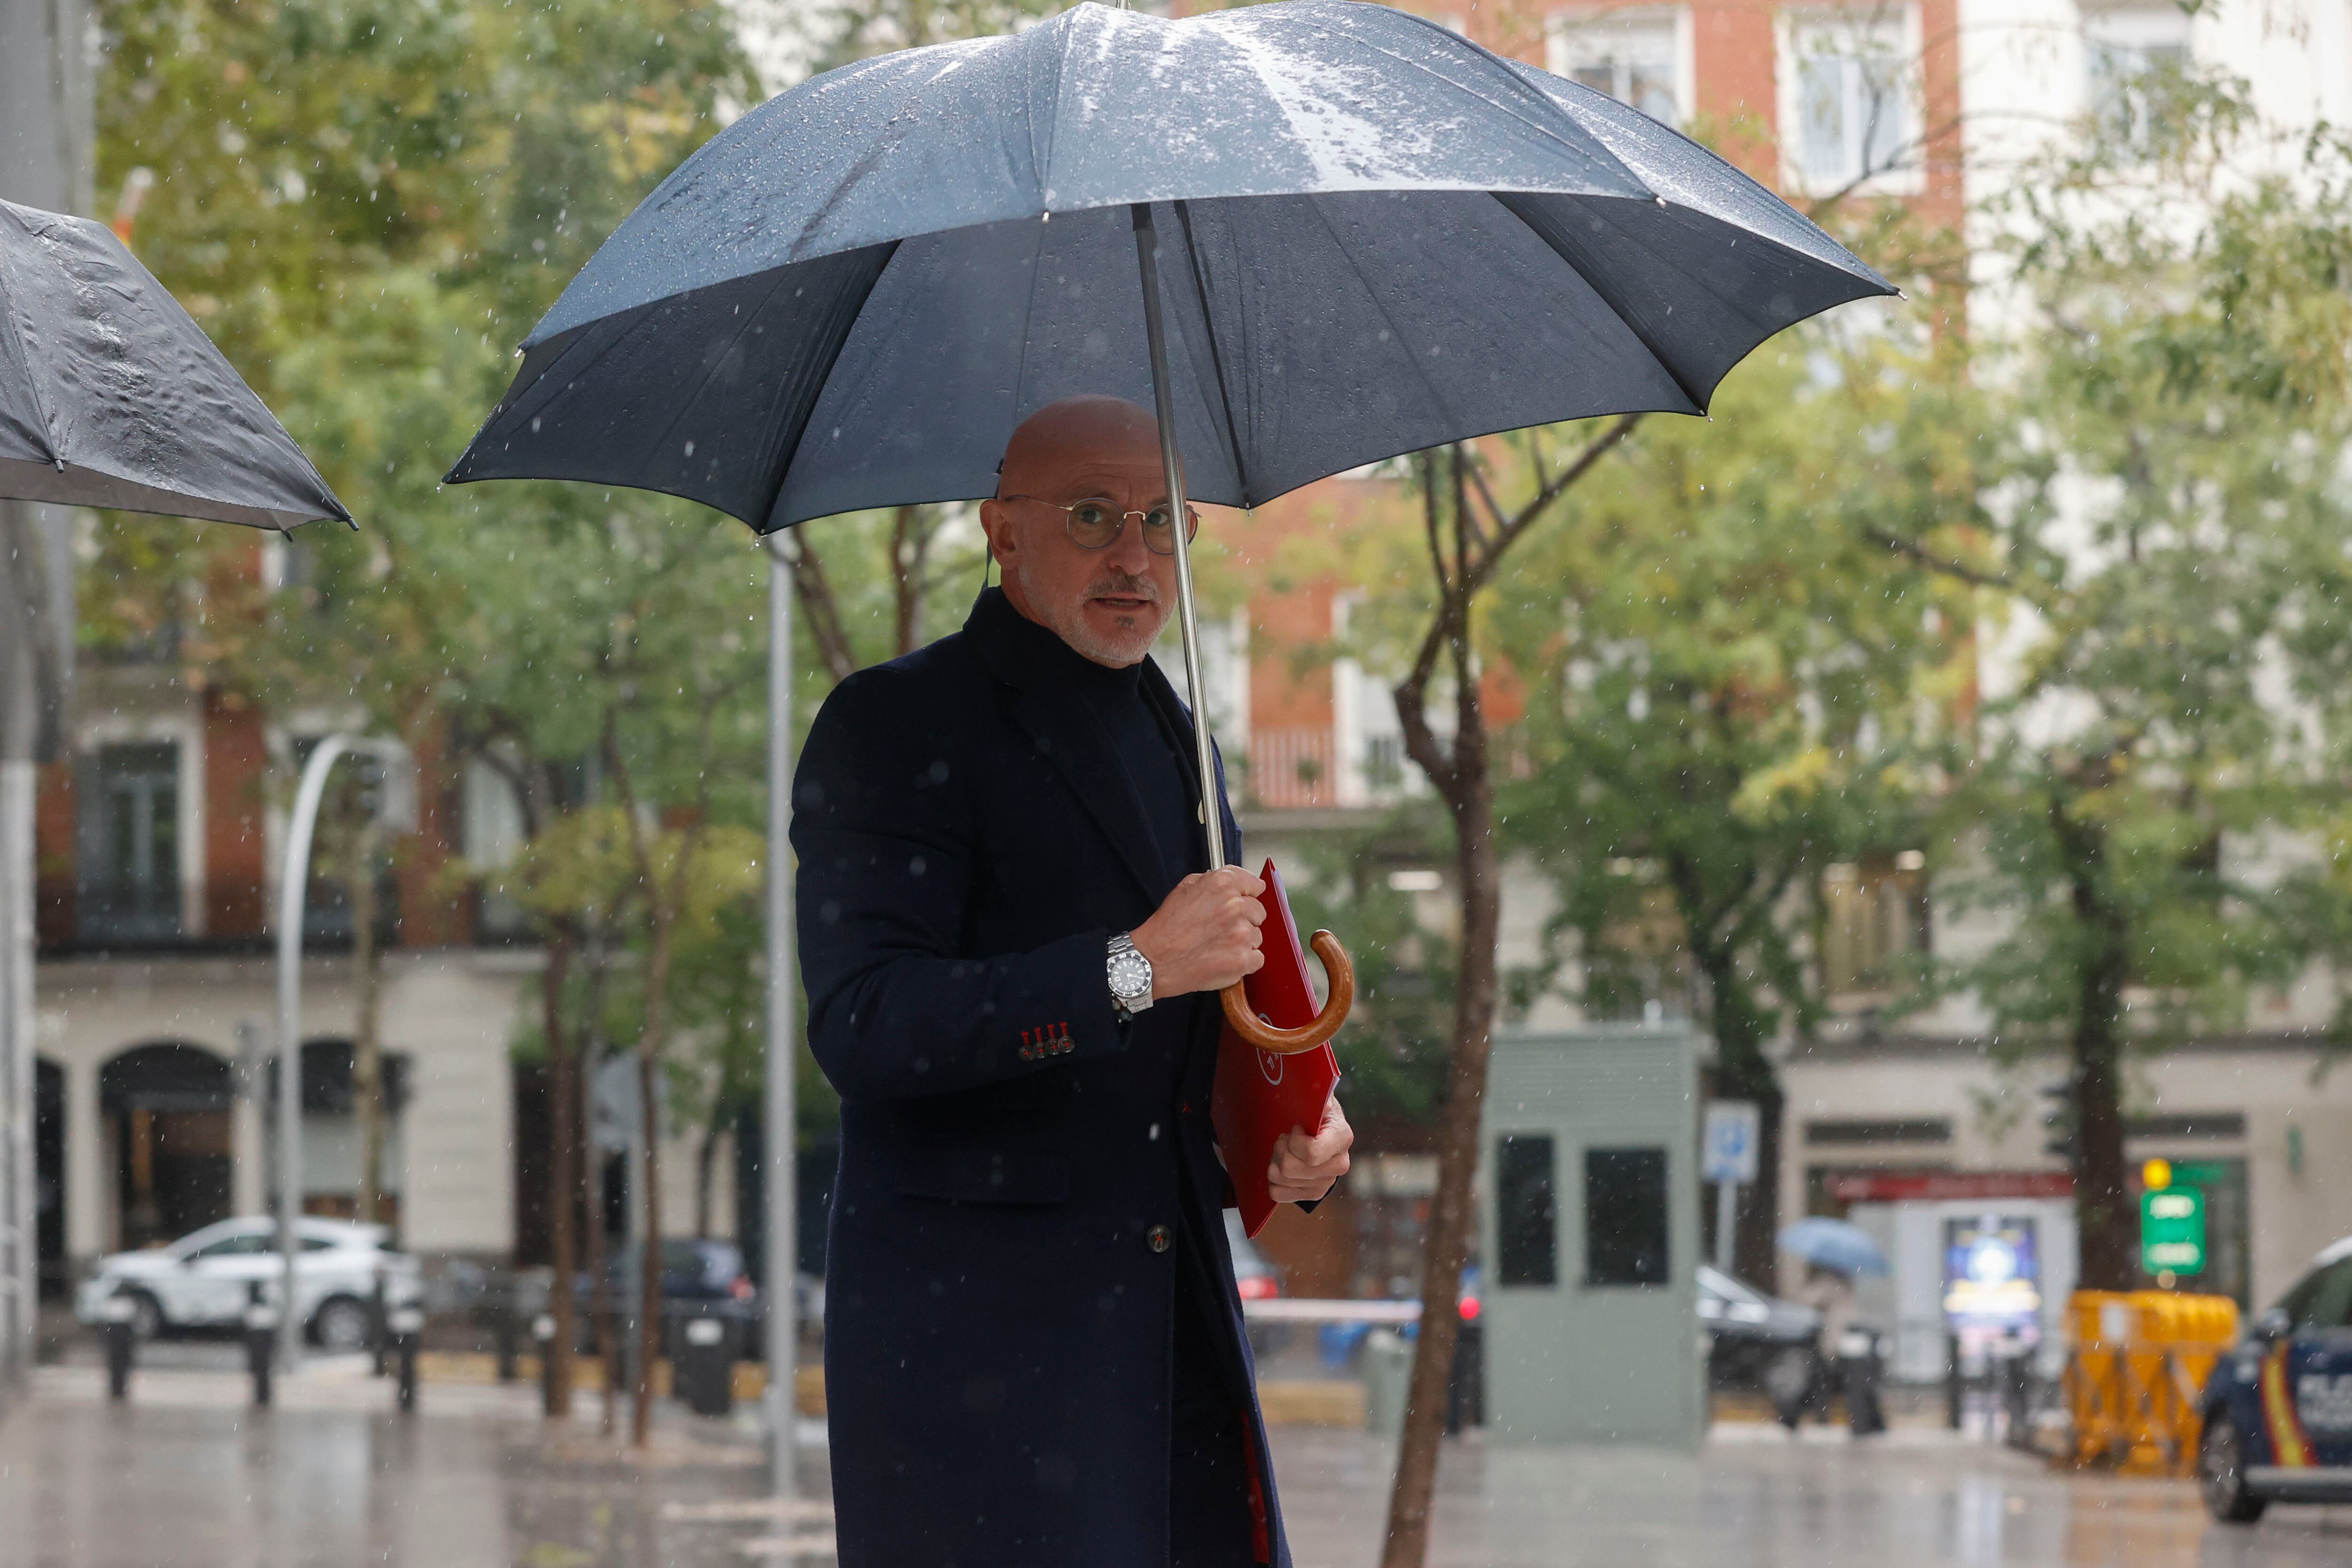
(1096, 523)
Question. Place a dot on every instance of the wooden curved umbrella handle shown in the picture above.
(1306, 1037)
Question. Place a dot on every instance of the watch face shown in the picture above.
(1130, 975)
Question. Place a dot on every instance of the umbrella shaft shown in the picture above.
(1163, 399)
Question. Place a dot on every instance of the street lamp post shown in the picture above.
(396, 809)
(781, 1200)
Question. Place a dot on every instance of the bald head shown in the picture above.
(1073, 436)
(1108, 603)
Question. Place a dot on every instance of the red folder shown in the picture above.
(1260, 1096)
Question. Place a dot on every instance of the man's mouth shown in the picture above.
(1123, 604)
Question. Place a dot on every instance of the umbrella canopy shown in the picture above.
(110, 396)
(1834, 1244)
(1374, 236)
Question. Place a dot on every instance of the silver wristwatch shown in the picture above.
(1131, 975)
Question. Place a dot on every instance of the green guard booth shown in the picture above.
(1588, 1172)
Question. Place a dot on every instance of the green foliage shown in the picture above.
(2173, 571)
(1737, 683)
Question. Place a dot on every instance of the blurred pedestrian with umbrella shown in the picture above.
(1836, 1252)
(1305, 235)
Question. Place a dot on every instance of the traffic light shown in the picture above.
(2059, 1122)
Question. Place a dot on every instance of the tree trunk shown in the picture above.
(1453, 1215)
(563, 1132)
(1464, 779)
(367, 1044)
(910, 548)
(1743, 1072)
(2103, 1203)
(604, 1338)
(649, 1050)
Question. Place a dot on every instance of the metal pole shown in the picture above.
(1163, 399)
(291, 886)
(1726, 1215)
(779, 1175)
(46, 134)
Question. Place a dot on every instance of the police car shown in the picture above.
(2278, 1409)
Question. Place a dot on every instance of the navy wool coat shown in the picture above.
(1000, 1285)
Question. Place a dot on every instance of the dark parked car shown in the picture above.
(1756, 1340)
(697, 1278)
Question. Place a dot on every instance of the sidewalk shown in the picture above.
(188, 1476)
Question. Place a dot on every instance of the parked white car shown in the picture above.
(204, 1280)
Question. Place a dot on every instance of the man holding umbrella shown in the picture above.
(1034, 1348)
(852, 298)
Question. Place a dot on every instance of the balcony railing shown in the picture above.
(1293, 766)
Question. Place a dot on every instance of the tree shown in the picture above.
(1736, 685)
(2179, 355)
(1465, 551)
(366, 208)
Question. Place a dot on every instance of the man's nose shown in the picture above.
(1129, 552)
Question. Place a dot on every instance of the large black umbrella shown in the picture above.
(1369, 234)
(110, 396)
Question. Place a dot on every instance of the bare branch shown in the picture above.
(1549, 492)
(1944, 564)
(814, 590)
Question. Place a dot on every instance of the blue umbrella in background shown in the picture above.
(1834, 1244)
(1311, 235)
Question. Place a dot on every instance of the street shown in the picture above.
(187, 1476)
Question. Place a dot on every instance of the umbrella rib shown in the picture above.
(1216, 354)
(1437, 399)
(1641, 334)
(750, 320)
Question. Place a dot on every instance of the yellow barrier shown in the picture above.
(2138, 1360)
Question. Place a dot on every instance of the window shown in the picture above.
(1634, 57)
(2323, 1299)
(491, 834)
(1525, 1214)
(2132, 61)
(1625, 1216)
(1854, 112)
(1874, 921)
(251, 1245)
(128, 859)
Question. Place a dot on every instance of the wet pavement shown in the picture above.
(187, 1476)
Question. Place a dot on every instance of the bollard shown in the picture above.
(506, 1332)
(2017, 1398)
(378, 1336)
(118, 1330)
(407, 1325)
(260, 1341)
(542, 1334)
(1466, 1389)
(702, 1367)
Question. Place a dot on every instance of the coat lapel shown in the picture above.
(1067, 734)
(1161, 694)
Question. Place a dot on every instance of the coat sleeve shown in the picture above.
(884, 833)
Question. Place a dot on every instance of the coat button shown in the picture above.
(1158, 1238)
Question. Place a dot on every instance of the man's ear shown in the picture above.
(996, 522)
